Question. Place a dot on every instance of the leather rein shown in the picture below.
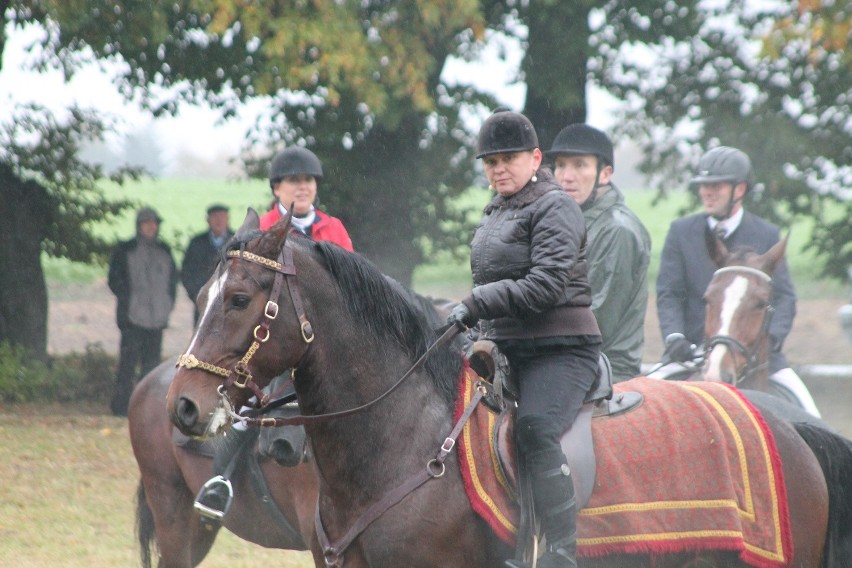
(751, 365)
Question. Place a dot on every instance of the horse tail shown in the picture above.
(144, 527)
(834, 453)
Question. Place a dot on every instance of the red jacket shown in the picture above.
(325, 227)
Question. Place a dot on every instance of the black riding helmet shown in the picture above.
(293, 162)
(724, 164)
(582, 139)
(505, 131)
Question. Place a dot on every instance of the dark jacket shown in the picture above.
(528, 258)
(119, 278)
(686, 269)
(619, 252)
(199, 261)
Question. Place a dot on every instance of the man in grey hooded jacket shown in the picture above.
(143, 277)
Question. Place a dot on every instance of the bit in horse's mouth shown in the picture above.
(219, 421)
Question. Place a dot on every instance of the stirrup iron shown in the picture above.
(209, 501)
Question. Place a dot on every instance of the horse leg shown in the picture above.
(181, 538)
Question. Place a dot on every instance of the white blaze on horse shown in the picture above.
(739, 311)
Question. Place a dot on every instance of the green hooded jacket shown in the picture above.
(619, 250)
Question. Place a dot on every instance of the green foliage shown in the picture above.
(85, 376)
(702, 81)
(41, 147)
(358, 82)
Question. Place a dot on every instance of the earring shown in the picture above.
(535, 177)
(490, 187)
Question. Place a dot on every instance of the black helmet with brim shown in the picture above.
(293, 162)
(582, 139)
(505, 131)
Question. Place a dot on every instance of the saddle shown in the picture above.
(489, 363)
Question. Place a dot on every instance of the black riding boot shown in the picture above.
(553, 496)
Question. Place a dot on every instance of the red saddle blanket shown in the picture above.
(693, 468)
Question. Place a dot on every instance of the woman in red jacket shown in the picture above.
(293, 177)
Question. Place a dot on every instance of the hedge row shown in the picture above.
(75, 377)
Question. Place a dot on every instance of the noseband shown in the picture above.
(752, 365)
(240, 375)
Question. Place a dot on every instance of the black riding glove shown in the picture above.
(461, 315)
(678, 348)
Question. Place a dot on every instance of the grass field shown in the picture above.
(182, 204)
(68, 495)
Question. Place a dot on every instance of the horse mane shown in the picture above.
(390, 312)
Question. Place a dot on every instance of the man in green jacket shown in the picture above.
(619, 245)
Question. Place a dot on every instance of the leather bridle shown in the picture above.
(240, 375)
(751, 365)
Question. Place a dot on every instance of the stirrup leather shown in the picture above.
(214, 498)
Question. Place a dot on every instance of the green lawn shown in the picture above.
(182, 204)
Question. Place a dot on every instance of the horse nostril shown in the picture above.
(186, 412)
(283, 453)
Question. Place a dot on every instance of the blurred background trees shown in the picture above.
(363, 85)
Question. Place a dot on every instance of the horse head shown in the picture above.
(230, 358)
(738, 312)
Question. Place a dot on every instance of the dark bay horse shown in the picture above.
(172, 474)
(378, 422)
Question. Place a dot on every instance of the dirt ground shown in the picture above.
(85, 314)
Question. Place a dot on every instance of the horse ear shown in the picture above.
(276, 236)
(250, 224)
(771, 258)
(718, 251)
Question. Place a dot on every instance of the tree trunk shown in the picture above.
(555, 67)
(25, 214)
(380, 175)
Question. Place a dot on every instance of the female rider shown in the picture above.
(531, 289)
(293, 176)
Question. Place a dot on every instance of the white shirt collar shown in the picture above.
(730, 224)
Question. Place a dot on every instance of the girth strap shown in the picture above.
(333, 553)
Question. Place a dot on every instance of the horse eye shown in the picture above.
(240, 302)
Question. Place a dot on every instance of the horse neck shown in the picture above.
(389, 440)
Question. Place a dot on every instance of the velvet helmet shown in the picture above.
(505, 131)
(582, 139)
(292, 162)
(724, 164)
